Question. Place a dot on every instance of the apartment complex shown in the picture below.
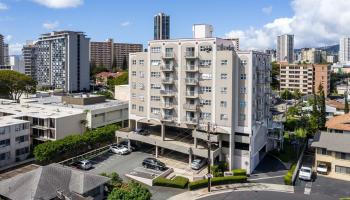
(62, 61)
(14, 140)
(304, 77)
(2, 62)
(311, 55)
(285, 48)
(6, 54)
(112, 55)
(29, 57)
(180, 86)
(344, 50)
(161, 27)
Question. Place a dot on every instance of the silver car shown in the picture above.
(198, 163)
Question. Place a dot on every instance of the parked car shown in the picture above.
(153, 163)
(125, 144)
(322, 168)
(84, 164)
(305, 173)
(198, 163)
(142, 131)
(119, 149)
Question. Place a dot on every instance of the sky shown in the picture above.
(256, 22)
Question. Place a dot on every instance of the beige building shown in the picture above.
(304, 77)
(311, 55)
(109, 54)
(180, 86)
(333, 150)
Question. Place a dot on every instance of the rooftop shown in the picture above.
(8, 120)
(332, 141)
(341, 122)
(336, 104)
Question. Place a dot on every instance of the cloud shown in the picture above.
(127, 23)
(8, 38)
(51, 25)
(3, 6)
(15, 48)
(267, 10)
(60, 3)
(314, 23)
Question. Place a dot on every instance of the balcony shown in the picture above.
(167, 93)
(191, 81)
(168, 55)
(168, 118)
(204, 136)
(168, 80)
(167, 68)
(168, 105)
(192, 68)
(191, 55)
(191, 107)
(191, 120)
(191, 94)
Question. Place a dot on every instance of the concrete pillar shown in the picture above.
(117, 138)
(189, 156)
(161, 151)
(195, 142)
(129, 145)
(162, 131)
(156, 151)
(136, 125)
(220, 154)
(123, 124)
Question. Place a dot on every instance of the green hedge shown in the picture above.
(177, 182)
(217, 181)
(74, 144)
(288, 177)
(239, 172)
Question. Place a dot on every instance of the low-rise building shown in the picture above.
(14, 140)
(339, 124)
(333, 149)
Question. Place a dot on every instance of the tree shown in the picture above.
(120, 80)
(297, 94)
(286, 95)
(130, 191)
(322, 107)
(275, 72)
(346, 107)
(125, 64)
(13, 84)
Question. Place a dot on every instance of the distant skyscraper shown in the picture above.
(2, 50)
(29, 56)
(344, 50)
(6, 54)
(285, 48)
(62, 61)
(161, 27)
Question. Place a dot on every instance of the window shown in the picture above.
(243, 76)
(206, 48)
(341, 169)
(343, 156)
(155, 49)
(205, 115)
(142, 74)
(140, 108)
(243, 90)
(141, 62)
(205, 102)
(133, 106)
(4, 143)
(242, 104)
(223, 76)
(155, 98)
(155, 111)
(133, 85)
(223, 90)
(142, 98)
(141, 86)
(133, 95)
(322, 151)
(241, 146)
(23, 138)
(206, 76)
(223, 117)
(223, 104)
(155, 62)
(22, 151)
(241, 117)
(155, 86)
(134, 62)
(205, 89)
(155, 74)
(205, 63)
(5, 156)
(223, 62)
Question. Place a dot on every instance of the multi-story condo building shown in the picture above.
(6, 54)
(14, 140)
(161, 27)
(344, 50)
(2, 62)
(285, 48)
(272, 53)
(305, 77)
(29, 57)
(332, 58)
(180, 86)
(112, 55)
(62, 61)
(311, 55)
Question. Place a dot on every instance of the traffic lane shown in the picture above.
(331, 187)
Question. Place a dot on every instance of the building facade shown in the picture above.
(29, 57)
(122, 51)
(179, 87)
(161, 27)
(311, 55)
(344, 50)
(14, 140)
(2, 61)
(6, 54)
(62, 61)
(285, 48)
(305, 77)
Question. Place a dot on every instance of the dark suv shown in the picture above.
(153, 163)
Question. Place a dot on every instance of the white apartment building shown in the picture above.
(285, 48)
(14, 140)
(179, 86)
(311, 55)
(344, 50)
(62, 61)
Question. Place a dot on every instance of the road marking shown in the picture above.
(266, 178)
(308, 187)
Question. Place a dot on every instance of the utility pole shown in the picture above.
(208, 160)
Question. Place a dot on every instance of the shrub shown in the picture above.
(130, 191)
(177, 182)
(288, 177)
(218, 170)
(216, 181)
(74, 144)
(239, 172)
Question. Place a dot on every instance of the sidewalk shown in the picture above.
(239, 187)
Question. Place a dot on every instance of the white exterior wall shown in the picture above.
(344, 50)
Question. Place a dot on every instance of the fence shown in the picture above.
(89, 155)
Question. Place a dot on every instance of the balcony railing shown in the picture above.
(191, 120)
(190, 106)
(168, 105)
(167, 68)
(168, 55)
(191, 81)
(190, 55)
(167, 92)
(168, 81)
(192, 68)
(168, 118)
(192, 94)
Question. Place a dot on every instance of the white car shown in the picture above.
(84, 164)
(119, 149)
(198, 163)
(322, 168)
(305, 173)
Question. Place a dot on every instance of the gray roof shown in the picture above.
(332, 141)
(44, 182)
